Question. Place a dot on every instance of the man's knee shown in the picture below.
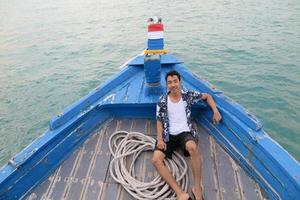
(157, 159)
(191, 147)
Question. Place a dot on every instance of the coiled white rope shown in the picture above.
(125, 148)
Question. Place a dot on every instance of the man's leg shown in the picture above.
(191, 147)
(158, 162)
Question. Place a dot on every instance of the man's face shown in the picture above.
(173, 84)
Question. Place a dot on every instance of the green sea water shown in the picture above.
(54, 52)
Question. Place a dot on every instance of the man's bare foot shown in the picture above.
(183, 196)
(197, 193)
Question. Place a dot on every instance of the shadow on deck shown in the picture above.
(85, 174)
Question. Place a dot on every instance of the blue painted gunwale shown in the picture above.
(125, 95)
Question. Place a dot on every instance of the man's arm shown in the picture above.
(160, 142)
(210, 101)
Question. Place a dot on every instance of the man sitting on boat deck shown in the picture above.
(175, 130)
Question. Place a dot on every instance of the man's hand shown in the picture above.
(161, 145)
(217, 117)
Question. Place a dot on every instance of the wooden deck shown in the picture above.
(85, 174)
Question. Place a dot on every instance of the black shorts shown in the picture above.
(177, 142)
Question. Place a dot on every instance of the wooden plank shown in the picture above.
(135, 126)
(139, 125)
(114, 126)
(101, 162)
(126, 124)
(209, 180)
(148, 128)
(226, 176)
(89, 188)
(153, 128)
(42, 190)
(151, 172)
(61, 190)
(62, 178)
(103, 154)
(110, 191)
(249, 189)
(85, 174)
(77, 188)
(75, 180)
(59, 187)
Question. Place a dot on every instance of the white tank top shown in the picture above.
(177, 117)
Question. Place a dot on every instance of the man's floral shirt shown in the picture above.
(189, 98)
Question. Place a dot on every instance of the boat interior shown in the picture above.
(85, 174)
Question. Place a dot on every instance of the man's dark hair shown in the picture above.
(172, 73)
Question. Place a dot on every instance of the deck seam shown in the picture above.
(103, 191)
(104, 183)
(143, 168)
(73, 172)
(123, 190)
(216, 174)
(107, 188)
(52, 184)
(87, 180)
(147, 127)
(237, 178)
(107, 170)
(119, 194)
(101, 185)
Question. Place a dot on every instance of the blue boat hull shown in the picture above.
(126, 95)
